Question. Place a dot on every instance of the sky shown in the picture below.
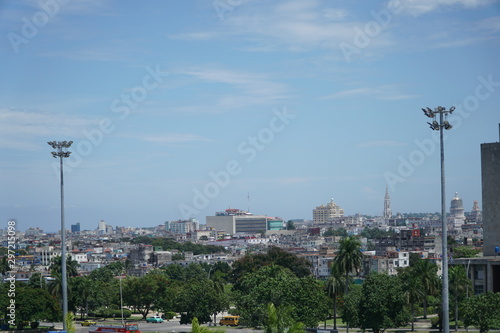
(179, 109)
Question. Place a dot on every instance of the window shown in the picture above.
(478, 289)
(479, 273)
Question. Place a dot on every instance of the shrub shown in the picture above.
(170, 315)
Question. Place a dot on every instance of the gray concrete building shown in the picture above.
(490, 177)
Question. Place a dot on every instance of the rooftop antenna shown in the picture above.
(248, 198)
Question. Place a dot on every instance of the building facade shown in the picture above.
(490, 179)
(238, 221)
(327, 213)
(457, 216)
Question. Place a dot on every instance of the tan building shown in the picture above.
(327, 213)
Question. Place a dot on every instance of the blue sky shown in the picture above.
(179, 109)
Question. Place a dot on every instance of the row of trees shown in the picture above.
(260, 286)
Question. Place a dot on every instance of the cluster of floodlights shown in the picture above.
(432, 114)
(59, 145)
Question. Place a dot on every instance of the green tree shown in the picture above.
(334, 287)
(175, 272)
(301, 267)
(463, 251)
(382, 303)
(194, 271)
(413, 290)
(278, 285)
(350, 308)
(37, 281)
(426, 271)
(482, 311)
(198, 298)
(279, 320)
(196, 328)
(80, 291)
(414, 258)
(290, 225)
(145, 292)
(349, 258)
(4, 266)
(459, 285)
(55, 286)
(342, 232)
(32, 304)
(71, 266)
(218, 285)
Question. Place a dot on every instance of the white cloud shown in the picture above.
(172, 138)
(20, 128)
(419, 7)
(249, 88)
(491, 24)
(383, 92)
(381, 143)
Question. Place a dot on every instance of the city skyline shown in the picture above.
(179, 110)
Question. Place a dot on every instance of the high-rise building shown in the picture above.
(387, 205)
(484, 271)
(101, 227)
(327, 213)
(75, 227)
(490, 178)
(475, 215)
(182, 226)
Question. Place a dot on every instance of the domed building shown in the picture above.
(457, 216)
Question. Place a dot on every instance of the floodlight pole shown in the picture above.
(61, 151)
(443, 124)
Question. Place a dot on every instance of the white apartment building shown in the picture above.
(237, 221)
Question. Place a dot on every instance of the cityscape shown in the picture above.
(285, 166)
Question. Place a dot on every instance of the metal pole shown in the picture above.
(63, 252)
(121, 298)
(444, 225)
(61, 152)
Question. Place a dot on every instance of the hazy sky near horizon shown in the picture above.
(180, 109)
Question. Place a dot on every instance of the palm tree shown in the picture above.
(349, 258)
(218, 285)
(278, 320)
(414, 291)
(71, 266)
(459, 282)
(426, 271)
(54, 287)
(334, 286)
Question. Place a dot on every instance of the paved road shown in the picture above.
(172, 326)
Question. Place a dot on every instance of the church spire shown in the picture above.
(387, 204)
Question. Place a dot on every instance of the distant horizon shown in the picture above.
(68, 227)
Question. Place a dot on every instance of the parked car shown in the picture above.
(154, 319)
(88, 323)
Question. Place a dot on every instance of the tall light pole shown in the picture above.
(121, 297)
(61, 148)
(443, 124)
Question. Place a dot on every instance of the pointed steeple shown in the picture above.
(387, 204)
